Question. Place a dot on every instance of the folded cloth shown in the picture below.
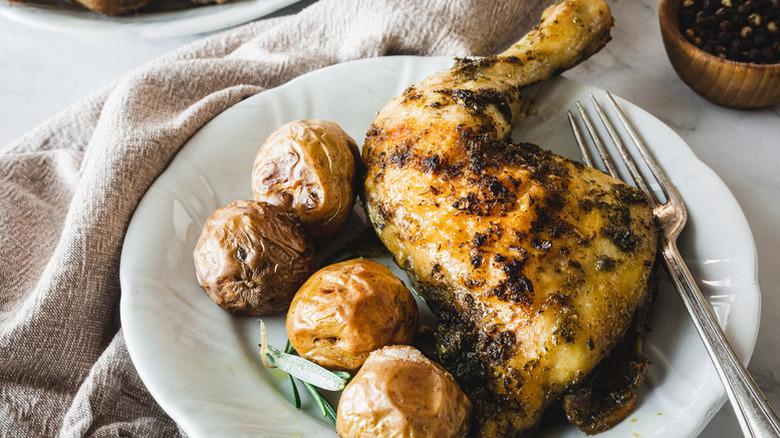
(69, 188)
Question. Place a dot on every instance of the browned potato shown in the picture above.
(401, 393)
(310, 165)
(347, 310)
(251, 257)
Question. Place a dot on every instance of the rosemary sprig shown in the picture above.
(296, 397)
(325, 407)
(289, 348)
(339, 255)
(310, 374)
(304, 370)
(366, 245)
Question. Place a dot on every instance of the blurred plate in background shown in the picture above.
(161, 18)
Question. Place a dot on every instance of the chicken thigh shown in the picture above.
(535, 264)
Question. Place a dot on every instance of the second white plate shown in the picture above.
(164, 18)
(201, 364)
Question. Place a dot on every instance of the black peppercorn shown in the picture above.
(760, 40)
(740, 30)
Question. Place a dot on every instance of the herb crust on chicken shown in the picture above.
(536, 265)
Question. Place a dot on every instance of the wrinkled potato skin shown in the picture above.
(251, 258)
(310, 166)
(400, 393)
(347, 310)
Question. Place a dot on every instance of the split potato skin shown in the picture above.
(251, 258)
(400, 393)
(311, 166)
(347, 310)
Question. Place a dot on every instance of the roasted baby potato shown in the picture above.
(252, 256)
(400, 393)
(347, 310)
(310, 166)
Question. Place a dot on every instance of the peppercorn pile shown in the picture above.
(739, 30)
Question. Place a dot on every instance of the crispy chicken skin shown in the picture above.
(534, 264)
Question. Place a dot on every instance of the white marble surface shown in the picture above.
(42, 72)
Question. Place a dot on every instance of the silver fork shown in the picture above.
(755, 415)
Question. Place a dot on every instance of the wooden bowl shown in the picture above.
(727, 83)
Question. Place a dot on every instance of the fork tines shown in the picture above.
(755, 415)
(620, 147)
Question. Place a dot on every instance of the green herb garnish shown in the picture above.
(310, 374)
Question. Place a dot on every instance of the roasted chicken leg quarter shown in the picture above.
(535, 265)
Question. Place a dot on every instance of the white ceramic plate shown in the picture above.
(161, 18)
(201, 364)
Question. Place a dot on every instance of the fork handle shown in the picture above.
(755, 415)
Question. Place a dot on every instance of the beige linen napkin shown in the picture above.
(68, 190)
